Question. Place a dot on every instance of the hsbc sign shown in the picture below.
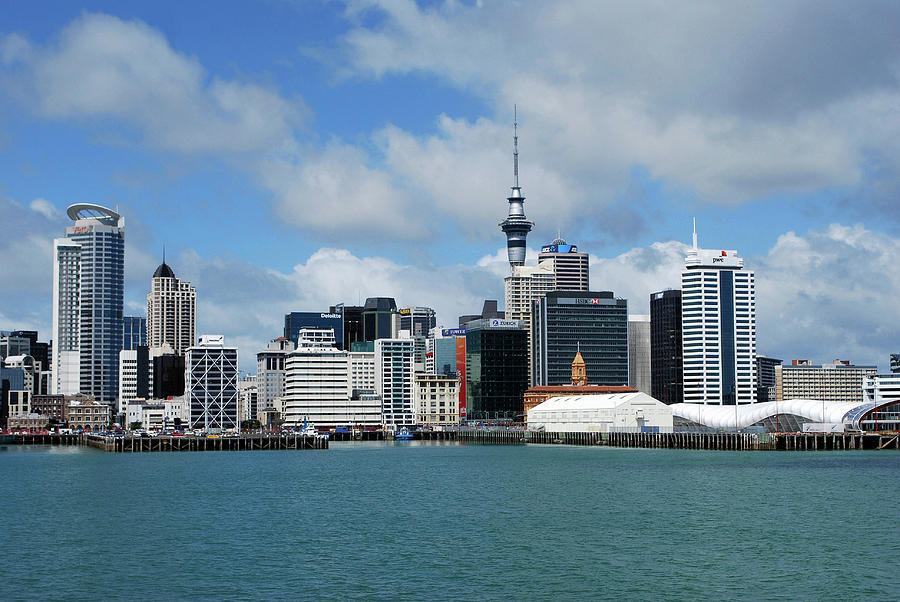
(585, 301)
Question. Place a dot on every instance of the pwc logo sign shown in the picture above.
(720, 258)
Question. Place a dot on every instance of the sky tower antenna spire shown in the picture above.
(695, 233)
(516, 144)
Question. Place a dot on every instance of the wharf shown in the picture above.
(689, 440)
(167, 443)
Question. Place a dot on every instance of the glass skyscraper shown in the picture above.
(88, 292)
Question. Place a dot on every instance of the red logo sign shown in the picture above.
(595, 301)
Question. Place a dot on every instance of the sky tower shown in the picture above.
(515, 226)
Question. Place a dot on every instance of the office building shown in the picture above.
(211, 384)
(38, 350)
(85, 414)
(394, 370)
(171, 311)
(718, 318)
(447, 347)
(135, 376)
(516, 226)
(489, 311)
(270, 370)
(352, 323)
(11, 379)
(639, 352)
(88, 291)
(765, 378)
(594, 323)
(666, 380)
(835, 382)
(318, 386)
(418, 322)
(314, 320)
(895, 363)
(134, 332)
(436, 400)
(168, 372)
(569, 266)
(496, 369)
(31, 371)
(52, 406)
(522, 288)
(248, 398)
(380, 319)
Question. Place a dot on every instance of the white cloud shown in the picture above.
(712, 99)
(106, 67)
(44, 207)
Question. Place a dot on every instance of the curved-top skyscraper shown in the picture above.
(515, 226)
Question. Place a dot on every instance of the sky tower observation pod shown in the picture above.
(100, 213)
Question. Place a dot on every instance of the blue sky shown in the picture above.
(291, 155)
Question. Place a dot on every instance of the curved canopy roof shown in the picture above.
(91, 211)
(742, 416)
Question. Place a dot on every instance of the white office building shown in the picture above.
(316, 383)
(171, 311)
(521, 289)
(211, 384)
(718, 314)
(569, 266)
(394, 371)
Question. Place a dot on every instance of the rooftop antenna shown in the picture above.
(516, 144)
(695, 232)
(164, 253)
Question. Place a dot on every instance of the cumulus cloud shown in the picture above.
(726, 102)
(105, 67)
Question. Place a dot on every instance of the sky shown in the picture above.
(294, 155)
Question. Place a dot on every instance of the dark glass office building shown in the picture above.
(134, 332)
(379, 314)
(765, 377)
(496, 369)
(596, 323)
(353, 329)
(168, 376)
(666, 374)
(296, 320)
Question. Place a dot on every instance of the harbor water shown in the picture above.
(413, 520)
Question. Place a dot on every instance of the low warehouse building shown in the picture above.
(623, 412)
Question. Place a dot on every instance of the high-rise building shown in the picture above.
(515, 226)
(447, 347)
(665, 347)
(318, 385)
(718, 317)
(394, 371)
(522, 288)
(594, 323)
(168, 372)
(270, 372)
(639, 352)
(895, 363)
(135, 376)
(134, 332)
(211, 384)
(765, 378)
(297, 320)
(418, 322)
(838, 381)
(569, 266)
(171, 311)
(88, 300)
(878, 389)
(496, 369)
(489, 311)
(380, 319)
(352, 323)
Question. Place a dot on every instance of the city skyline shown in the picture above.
(328, 165)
